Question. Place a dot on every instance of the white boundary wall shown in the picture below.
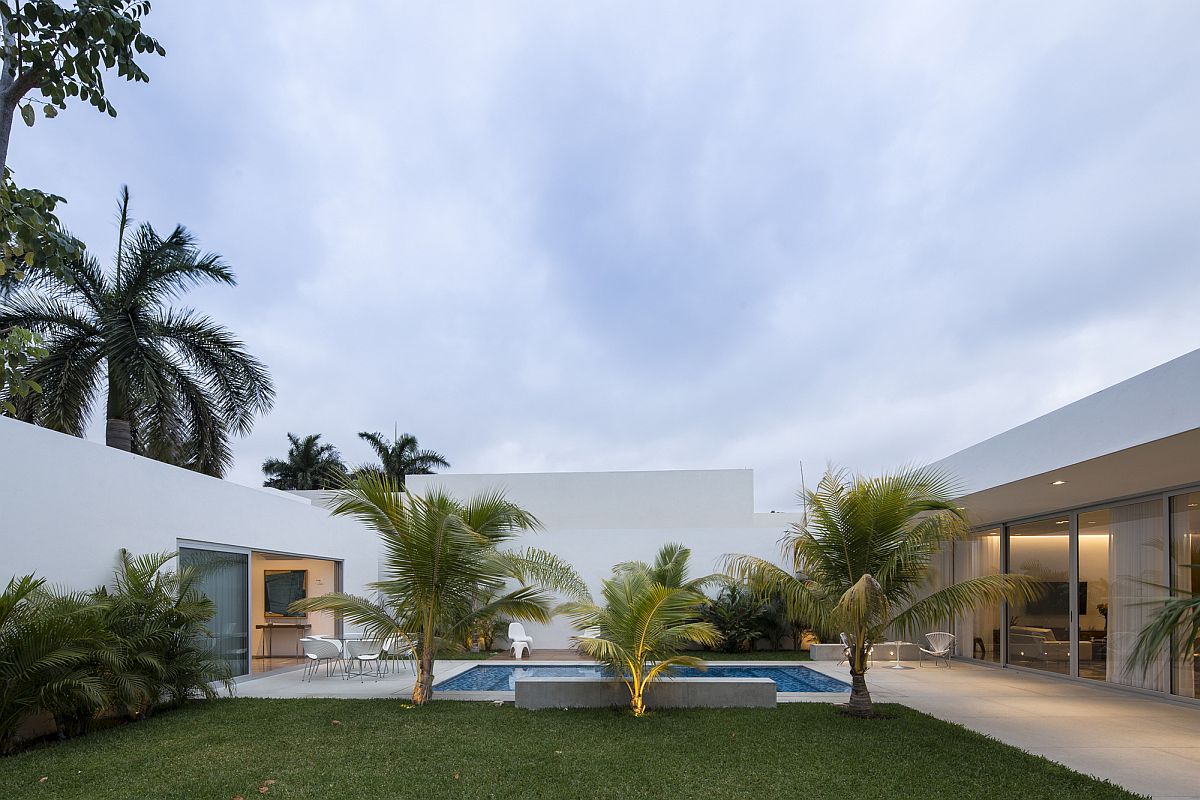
(597, 519)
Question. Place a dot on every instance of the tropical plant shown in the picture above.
(641, 630)
(401, 456)
(671, 568)
(859, 562)
(309, 465)
(738, 616)
(46, 646)
(441, 558)
(60, 53)
(1174, 628)
(179, 384)
(158, 651)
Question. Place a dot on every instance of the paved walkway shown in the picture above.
(1145, 744)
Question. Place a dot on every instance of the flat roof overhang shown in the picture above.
(1160, 465)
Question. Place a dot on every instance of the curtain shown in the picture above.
(224, 579)
(975, 557)
(1136, 556)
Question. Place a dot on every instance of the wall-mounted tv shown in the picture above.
(281, 588)
(1056, 599)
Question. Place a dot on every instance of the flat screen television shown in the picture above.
(1057, 599)
(281, 588)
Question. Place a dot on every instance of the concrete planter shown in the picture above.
(536, 693)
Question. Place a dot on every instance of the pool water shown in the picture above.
(502, 678)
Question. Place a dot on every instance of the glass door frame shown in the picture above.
(1163, 496)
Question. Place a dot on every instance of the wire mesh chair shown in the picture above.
(941, 646)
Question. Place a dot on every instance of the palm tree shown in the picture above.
(671, 566)
(1174, 627)
(401, 456)
(640, 630)
(859, 563)
(309, 465)
(441, 559)
(179, 384)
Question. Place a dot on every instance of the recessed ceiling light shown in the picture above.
(1193, 505)
(1057, 483)
(1061, 522)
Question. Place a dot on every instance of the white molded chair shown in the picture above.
(319, 650)
(363, 653)
(941, 646)
(399, 649)
(516, 633)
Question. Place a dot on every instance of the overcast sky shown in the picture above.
(544, 237)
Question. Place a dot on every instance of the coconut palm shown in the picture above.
(641, 629)
(178, 384)
(401, 456)
(443, 568)
(1175, 627)
(859, 563)
(671, 568)
(309, 465)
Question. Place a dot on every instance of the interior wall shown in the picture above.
(322, 579)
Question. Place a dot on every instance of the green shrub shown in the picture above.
(122, 650)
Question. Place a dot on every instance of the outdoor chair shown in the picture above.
(364, 653)
(317, 651)
(941, 646)
(516, 633)
(399, 650)
(847, 649)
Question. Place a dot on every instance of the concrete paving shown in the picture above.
(1146, 744)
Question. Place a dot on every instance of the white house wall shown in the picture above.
(68, 505)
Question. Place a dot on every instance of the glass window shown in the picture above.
(1122, 568)
(1039, 631)
(224, 579)
(977, 635)
(1185, 560)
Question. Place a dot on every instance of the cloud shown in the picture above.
(547, 237)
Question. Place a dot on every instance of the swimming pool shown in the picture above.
(502, 678)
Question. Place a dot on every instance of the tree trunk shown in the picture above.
(119, 434)
(860, 704)
(423, 688)
(7, 111)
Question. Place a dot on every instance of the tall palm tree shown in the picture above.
(179, 384)
(402, 456)
(641, 629)
(441, 559)
(309, 465)
(859, 563)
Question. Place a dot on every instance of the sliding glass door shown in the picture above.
(1185, 566)
(1122, 569)
(977, 634)
(224, 579)
(1039, 631)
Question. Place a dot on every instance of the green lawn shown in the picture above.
(382, 748)
(757, 655)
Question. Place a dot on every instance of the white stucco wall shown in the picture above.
(68, 505)
(597, 519)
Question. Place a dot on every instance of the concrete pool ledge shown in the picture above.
(544, 693)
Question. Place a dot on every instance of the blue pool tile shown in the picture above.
(502, 678)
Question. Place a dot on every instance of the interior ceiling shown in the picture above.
(1151, 467)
